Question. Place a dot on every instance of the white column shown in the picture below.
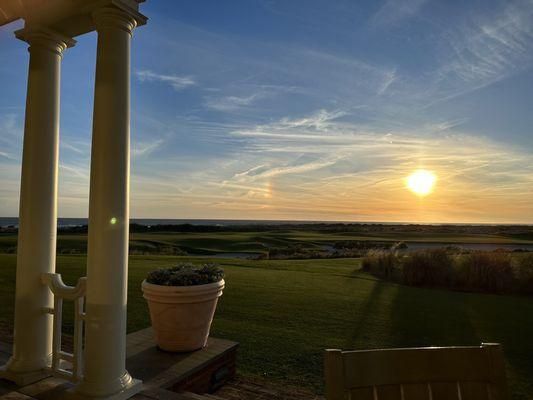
(105, 375)
(38, 208)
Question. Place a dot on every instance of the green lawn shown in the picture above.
(284, 313)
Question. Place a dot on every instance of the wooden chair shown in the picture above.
(430, 373)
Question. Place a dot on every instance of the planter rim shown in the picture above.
(187, 289)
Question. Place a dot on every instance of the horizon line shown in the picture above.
(317, 221)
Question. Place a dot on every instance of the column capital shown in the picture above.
(45, 38)
(114, 17)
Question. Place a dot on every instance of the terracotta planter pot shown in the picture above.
(182, 315)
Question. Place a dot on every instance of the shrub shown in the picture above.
(399, 246)
(427, 268)
(485, 271)
(296, 252)
(383, 264)
(171, 251)
(186, 274)
(524, 272)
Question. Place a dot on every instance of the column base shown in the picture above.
(23, 378)
(134, 387)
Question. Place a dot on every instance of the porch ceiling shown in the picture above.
(69, 17)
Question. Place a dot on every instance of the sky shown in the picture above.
(304, 110)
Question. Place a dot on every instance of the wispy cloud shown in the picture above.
(394, 11)
(7, 155)
(388, 80)
(251, 93)
(345, 73)
(319, 120)
(66, 145)
(263, 171)
(487, 49)
(145, 148)
(177, 82)
(232, 103)
(77, 171)
(10, 129)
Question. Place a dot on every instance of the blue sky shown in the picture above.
(316, 109)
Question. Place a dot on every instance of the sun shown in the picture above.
(421, 182)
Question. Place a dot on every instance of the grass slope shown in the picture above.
(284, 313)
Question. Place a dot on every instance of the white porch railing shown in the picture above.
(77, 294)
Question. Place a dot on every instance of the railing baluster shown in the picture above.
(77, 294)
(56, 338)
(78, 338)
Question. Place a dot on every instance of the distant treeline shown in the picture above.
(515, 231)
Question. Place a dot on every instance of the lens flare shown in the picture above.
(421, 182)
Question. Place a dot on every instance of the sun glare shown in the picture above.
(421, 182)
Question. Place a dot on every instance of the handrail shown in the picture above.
(77, 294)
(58, 287)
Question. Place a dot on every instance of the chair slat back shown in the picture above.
(431, 373)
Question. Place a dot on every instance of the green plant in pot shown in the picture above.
(182, 302)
